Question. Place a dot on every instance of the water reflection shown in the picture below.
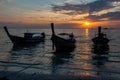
(60, 59)
(87, 33)
(100, 49)
(100, 56)
(27, 49)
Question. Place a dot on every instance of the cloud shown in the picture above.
(1, 2)
(99, 10)
(75, 9)
(10, 0)
(105, 17)
(90, 8)
(99, 5)
(68, 0)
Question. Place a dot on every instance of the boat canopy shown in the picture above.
(29, 35)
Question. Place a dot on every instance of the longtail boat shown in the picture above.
(28, 38)
(61, 44)
(101, 38)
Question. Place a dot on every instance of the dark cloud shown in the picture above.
(75, 9)
(110, 16)
(99, 5)
(113, 0)
(84, 8)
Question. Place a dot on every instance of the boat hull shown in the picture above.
(100, 41)
(24, 41)
(63, 45)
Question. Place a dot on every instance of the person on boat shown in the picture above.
(43, 35)
(102, 35)
(71, 36)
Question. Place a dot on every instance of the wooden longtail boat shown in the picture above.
(28, 38)
(61, 44)
(101, 38)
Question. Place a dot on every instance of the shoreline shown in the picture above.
(38, 76)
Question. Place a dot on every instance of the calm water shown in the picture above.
(40, 59)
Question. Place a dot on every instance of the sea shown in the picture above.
(16, 62)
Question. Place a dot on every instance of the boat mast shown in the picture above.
(53, 34)
(99, 30)
(6, 30)
(52, 27)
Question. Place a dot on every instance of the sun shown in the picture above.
(87, 23)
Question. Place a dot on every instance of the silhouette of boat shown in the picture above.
(28, 38)
(61, 44)
(101, 38)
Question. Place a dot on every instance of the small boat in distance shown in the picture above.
(28, 38)
(61, 44)
(101, 38)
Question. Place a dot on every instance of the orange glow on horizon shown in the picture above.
(86, 24)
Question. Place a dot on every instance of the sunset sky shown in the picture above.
(70, 13)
